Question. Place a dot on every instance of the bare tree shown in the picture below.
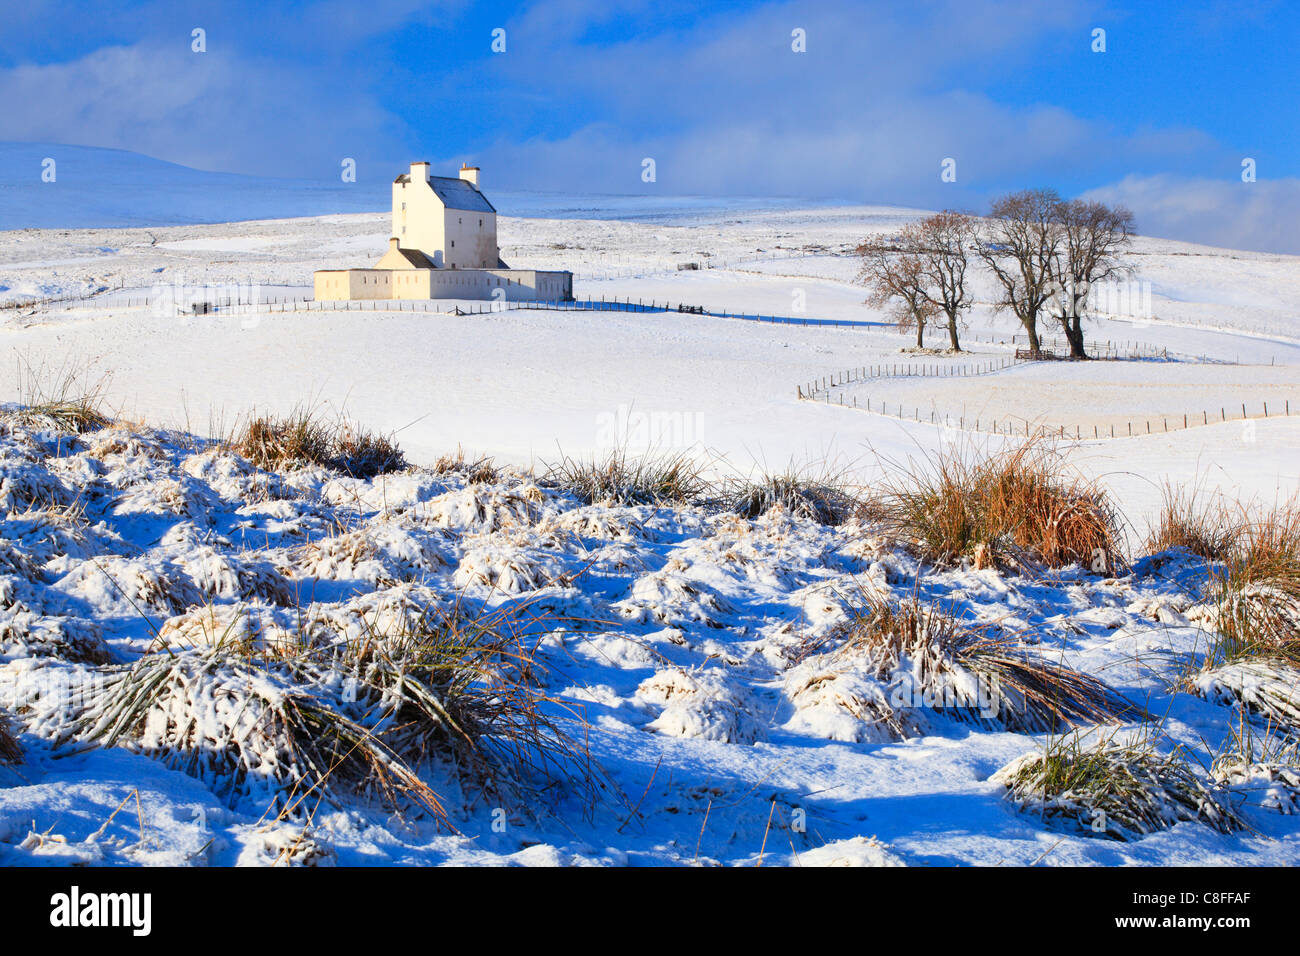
(923, 272)
(893, 274)
(1020, 243)
(943, 242)
(1095, 237)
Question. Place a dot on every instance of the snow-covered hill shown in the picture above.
(95, 188)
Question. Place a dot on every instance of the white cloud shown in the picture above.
(210, 110)
(1258, 216)
(883, 94)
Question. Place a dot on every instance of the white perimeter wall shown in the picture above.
(516, 285)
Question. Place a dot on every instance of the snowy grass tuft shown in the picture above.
(60, 398)
(1258, 590)
(305, 437)
(1022, 690)
(25, 634)
(371, 714)
(1267, 687)
(825, 498)
(1261, 768)
(478, 471)
(673, 478)
(1253, 662)
(1121, 791)
(1207, 529)
(10, 752)
(702, 704)
(924, 659)
(994, 509)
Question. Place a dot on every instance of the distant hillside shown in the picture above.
(110, 187)
(105, 188)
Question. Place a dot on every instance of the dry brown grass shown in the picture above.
(63, 398)
(365, 454)
(1258, 589)
(1189, 519)
(673, 478)
(300, 438)
(306, 437)
(997, 509)
(478, 471)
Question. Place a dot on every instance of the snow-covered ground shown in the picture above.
(682, 636)
(690, 679)
(525, 386)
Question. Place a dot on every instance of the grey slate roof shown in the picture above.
(458, 194)
(455, 193)
(415, 257)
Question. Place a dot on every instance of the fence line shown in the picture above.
(57, 299)
(1109, 349)
(438, 306)
(1000, 426)
(864, 373)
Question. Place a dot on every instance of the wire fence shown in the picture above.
(250, 297)
(35, 302)
(603, 304)
(1012, 426)
(864, 373)
(142, 299)
(1053, 347)
(198, 303)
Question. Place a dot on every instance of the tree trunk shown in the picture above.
(1031, 330)
(952, 333)
(1074, 335)
(920, 334)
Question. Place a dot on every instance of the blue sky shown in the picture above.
(586, 89)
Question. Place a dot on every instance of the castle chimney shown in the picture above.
(419, 173)
(469, 174)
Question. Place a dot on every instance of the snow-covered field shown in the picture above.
(704, 710)
(525, 386)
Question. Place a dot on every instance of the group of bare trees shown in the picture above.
(921, 274)
(1043, 252)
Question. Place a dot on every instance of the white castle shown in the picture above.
(443, 246)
